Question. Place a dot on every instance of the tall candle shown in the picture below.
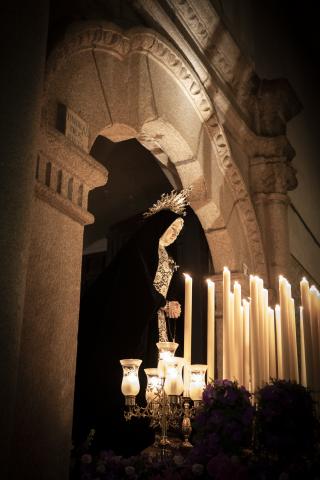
(254, 339)
(272, 344)
(303, 374)
(265, 327)
(187, 318)
(284, 328)
(211, 330)
(226, 314)
(279, 341)
(231, 343)
(294, 353)
(291, 333)
(261, 339)
(315, 337)
(187, 330)
(238, 334)
(305, 300)
(246, 346)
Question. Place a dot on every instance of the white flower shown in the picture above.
(178, 460)
(197, 469)
(130, 471)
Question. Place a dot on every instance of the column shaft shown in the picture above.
(24, 27)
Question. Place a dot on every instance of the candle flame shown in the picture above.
(209, 281)
(226, 269)
(187, 276)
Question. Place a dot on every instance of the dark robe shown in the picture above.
(118, 319)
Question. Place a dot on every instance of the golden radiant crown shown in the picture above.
(174, 201)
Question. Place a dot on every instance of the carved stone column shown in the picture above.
(23, 48)
(64, 176)
(271, 178)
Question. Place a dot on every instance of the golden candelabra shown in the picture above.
(172, 399)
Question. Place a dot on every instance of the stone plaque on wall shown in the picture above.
(73, 126)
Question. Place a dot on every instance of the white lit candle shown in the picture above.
(246, 347)
(226, 319)
(315, 337)
(261, 339)
(211, 330)
(272, 344)
(303, 373)
(293, 335)
(187, 329)
(153, 384)
(279, 341)
(197, 381)
(166, 352)
(130, 381)
(173, 384)
(283, 296)
(231, 343)
(254, 338)
(305, 300)
(238, 334)
(266, 343)
(187, 318)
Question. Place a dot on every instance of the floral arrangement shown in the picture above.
(285, 418)
(224, 445)
(224, 424)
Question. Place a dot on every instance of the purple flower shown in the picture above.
(197, 469)
(208, 394)
(86, 458)
(216, 417)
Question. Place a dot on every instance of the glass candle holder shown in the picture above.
(173, 385)
(197, 381)
(166, 352)
(130, 385)
(154, 383)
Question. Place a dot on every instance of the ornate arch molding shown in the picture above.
(112, 40)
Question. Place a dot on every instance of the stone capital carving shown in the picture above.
(65, 175)
(274, 175)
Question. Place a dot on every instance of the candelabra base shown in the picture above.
(159, 451)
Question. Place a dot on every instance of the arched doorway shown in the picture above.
(136, 180)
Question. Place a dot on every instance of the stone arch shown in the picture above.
(119, 83)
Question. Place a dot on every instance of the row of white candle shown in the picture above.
(260, 342)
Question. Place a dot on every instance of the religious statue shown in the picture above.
(123, 315)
